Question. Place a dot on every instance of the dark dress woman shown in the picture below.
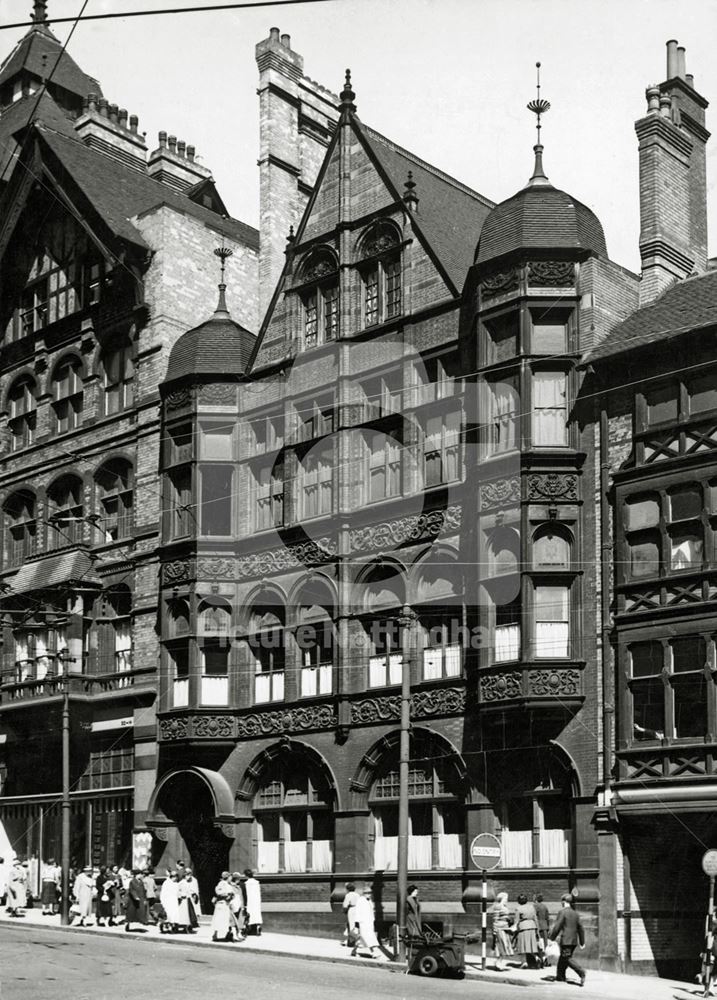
(105, 897)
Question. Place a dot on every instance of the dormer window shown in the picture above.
(380, 252)
(319, 279)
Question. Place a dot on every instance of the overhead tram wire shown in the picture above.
(168, 10)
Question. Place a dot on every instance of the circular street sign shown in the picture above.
(485, 851)
(709, 863)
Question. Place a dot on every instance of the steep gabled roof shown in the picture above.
(37, 53)
(450, 214)
(15, 117)
(119, 193)
(686, 306)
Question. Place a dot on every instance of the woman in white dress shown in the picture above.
(187, 917)
(169, 898)
(366, 920)
(82, 891)
(252, 892)
(222, 919)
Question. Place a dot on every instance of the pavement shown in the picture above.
(616, 986)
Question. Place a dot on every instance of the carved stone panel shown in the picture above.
(553, 486)
(500, 283)
(390, 534)
(440, 701)
(176, 728)
(213, 727)
(287, 557)
(179, 398)
(291, 720)
(385, 709)
(501, 687)
(218, 394)
(499, 493)
(215, 569)
(551, 273)
(177, 571)
(557, 683)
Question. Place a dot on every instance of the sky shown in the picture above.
(447, 79)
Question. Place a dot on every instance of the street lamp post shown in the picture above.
(404, 622)
(65, 659)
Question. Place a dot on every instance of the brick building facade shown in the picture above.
(419, 433)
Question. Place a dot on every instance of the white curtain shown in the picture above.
(308, 682)
(453, 660)
(551, 639)
(554, 848)
(262, 691)
(215, 690)
(180, 698)
(549, 417)
(395, 668)
(277, 693)
(267, 851)
(322, 859)
(420, 854)
(42, 659)
(385, 849)
(502, 419)
(325, 678)
(507, 643)
(377, 671)
(517, 848)
(295, 855)
(450, 850)
(432, 664)
(123, 646)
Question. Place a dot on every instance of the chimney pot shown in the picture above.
(85, 103)
(133, 123)
(666, 106)
(162, 140)
(286, 41)
(671, 58)
(653, 99)
(102, 107)
(681, 68)
(112, 109)
(122, 117)
(92, 102)
(690, 80)
(191, 153)
(181, 148)
(172, 143)
(274, 34)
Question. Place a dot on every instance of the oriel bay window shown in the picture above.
(442, 449)
(293, 813)
(22, 408)
(114, 631)
(316, 646)
(178, 652)
(214, 646)
(267, 646)
(20, 527)
(502, 426)
(442, 649)
(181, 510)
(316, 473)
(551, 621)
(67, 394)
(669, 682)
(268, 495)
(382, 466)
(215, 505)
(508, 618)
(667, 531)
(550, 409)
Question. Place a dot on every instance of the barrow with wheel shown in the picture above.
(432, 954)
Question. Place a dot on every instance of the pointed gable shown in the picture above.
(38, 54)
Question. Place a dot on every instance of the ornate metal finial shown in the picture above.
(539, 107)
(410, 197)
(39, 12)
(223, 253)
(291, 237)
(347, 96)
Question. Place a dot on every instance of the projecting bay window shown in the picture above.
(507, 631)
(503, 418)
(442, 449)
(669, 687)
(668, 531)
(267, 434)
(214, 646)
(179, 673)
(550, 409)
(442, 653)
(216, 486)
(180, 502)
(268, 496)
(269, 655)
(316, 647)
(552, 621)
(383, 466)
(385, 663)
(316, 472)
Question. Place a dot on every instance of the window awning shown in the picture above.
(43, 574)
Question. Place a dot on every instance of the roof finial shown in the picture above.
(39, 12)
(347, 105)
(410, 197)
(538, 107)
(223, 253)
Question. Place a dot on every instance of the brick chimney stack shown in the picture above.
(673, 185)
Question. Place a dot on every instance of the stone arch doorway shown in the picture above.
(192, 812)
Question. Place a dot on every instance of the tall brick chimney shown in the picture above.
(673, 185)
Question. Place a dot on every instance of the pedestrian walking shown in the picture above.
(348, 905)
(569, 932)
(117, 894)
(526, 930)
(17, 889)
(150, 892)
(237, 904)
(103, 903)
(169, 900)
(252, 895)
(193, 889)
(223, 923)
(187, 921)
(82, 891)
(49, 891)
(136, 903)
(414, 927)
(502, 917)
(366, 920)
(543, 916)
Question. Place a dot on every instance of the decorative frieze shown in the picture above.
(501, 687)
(215, 569)
(179, 398)
(177, 571)
(368, 710)
(290, 720)
(174, 728)
(213, 727)
(557, 683)
(553, 486)
(218, 394)
(389, 535)
(439, 701)
(551, 273)
(500, 283)
(499, 492)
(287, 557)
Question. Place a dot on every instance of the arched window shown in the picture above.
(293, 812)
(436, 825)
(319, 277)
(533, 793)
(551, 549)
(118, 369)
(440, 614)
(380, 253)
(115, 500)
(20, 527)
(383, 598)
(215, 619)
(315, 640)
(266, 642)
(67, 394)
(22, 407)
(65, 510)
(115, 632)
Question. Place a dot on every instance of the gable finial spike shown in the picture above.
(223, 253)
(410, 197)
(291, 237)
(539, 107)
(39, 12)
(347, 97)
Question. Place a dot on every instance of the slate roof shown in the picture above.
(16, 116)
(688, 305)
(65, 567)
(119, 192)
(219, 347)
(28, 54)
(540, 218)
(450, 214)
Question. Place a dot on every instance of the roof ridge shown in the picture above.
(436, 171)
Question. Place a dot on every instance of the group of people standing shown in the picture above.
(237, 907)
(360, 930)
(526, 931)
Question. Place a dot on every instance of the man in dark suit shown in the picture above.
(569, 932)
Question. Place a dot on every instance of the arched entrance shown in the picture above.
(193, 811)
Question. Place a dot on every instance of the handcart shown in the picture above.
(433, 954)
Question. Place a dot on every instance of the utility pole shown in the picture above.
(65, 659)
(405, 623)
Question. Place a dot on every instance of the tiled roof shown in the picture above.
(16, 116)
(450, 214)
(688, 305)
(65, 567)
(540, 218)
(218, 347)
(37, 52)
(119, 192)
